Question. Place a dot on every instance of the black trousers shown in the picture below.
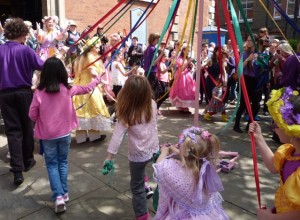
(164, 92)
(18, 127)
(154, 84)
(255, 96)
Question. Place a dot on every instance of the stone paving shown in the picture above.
(94, 196)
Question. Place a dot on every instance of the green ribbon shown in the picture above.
(240, 7)
(165, 28)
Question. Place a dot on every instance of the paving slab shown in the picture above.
(94, 196)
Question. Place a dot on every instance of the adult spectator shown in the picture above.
(72, 36)
(135, 52)
(211, 49)
(17, 65)
(249, 57)
(291, 71)
(149, 54)
(100, 34)
(31, 40)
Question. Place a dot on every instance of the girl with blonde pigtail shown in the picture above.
(189, 185)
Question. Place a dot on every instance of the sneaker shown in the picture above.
(159, 113)
(8, 155)
(149, 191)
(256, 118)
(246, 117)
(66, 197)
(207, 117)
(224, 118)
(59, 204)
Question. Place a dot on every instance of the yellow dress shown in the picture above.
(93, 115)
(287, 196)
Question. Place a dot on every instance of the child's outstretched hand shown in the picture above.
(255, 128)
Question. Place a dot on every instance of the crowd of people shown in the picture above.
(80, 77)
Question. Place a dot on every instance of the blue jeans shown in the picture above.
(56, 157)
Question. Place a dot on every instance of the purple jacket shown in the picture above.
(148, 56)
(17, 65)
(291, 72)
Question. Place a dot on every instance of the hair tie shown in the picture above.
(192, 132)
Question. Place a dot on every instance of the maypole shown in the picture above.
(199, 67)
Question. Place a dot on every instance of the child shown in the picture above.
(163, 78)
(188, 182)
(216, 103)
(182, 94)
(54, 115)
(284, 106)
(137, 116)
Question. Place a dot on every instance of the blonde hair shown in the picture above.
(192, 154)
(286, 47)
(134, 102)
(152, 37)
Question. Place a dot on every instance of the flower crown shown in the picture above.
(192, 132)
(281, 109)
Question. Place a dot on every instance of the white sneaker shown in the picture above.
(66, 197)
(8, 155)
(59, 204)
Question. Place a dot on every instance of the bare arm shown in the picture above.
(264, 149)
(266, 214)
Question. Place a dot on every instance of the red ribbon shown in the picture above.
(246, 97)
(111, 49)
(101, 20)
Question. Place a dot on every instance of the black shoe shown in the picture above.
(237, 129)
(18, 178)
(102, 138)
(27, 168)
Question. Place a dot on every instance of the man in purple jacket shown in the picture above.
(291, 71)
(17, 65)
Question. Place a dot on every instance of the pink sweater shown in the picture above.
(142, 139)
(54, 113)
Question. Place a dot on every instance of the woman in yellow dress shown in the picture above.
(92, 113)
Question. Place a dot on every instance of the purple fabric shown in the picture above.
(291, 72)
(148, 56)
(248, 71)
(17, 65)
(289, 168)
(209, 181)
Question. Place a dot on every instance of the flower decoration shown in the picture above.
(282, 112)
(192, 133)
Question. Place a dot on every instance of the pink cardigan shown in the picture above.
(142, 139)
(54, 113)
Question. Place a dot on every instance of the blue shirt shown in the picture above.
(17, 63)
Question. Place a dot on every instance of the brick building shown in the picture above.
(258, 17)
(86, 12)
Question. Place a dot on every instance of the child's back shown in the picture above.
(176, 184)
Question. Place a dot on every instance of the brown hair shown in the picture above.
(15, 28)
(134, 102)
(152, 37)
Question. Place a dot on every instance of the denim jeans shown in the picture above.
(56, 157)
(137, 186)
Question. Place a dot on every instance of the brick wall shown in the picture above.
(85, 12)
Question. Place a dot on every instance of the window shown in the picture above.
(276, 14)
(248, 8)
(291, 7)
